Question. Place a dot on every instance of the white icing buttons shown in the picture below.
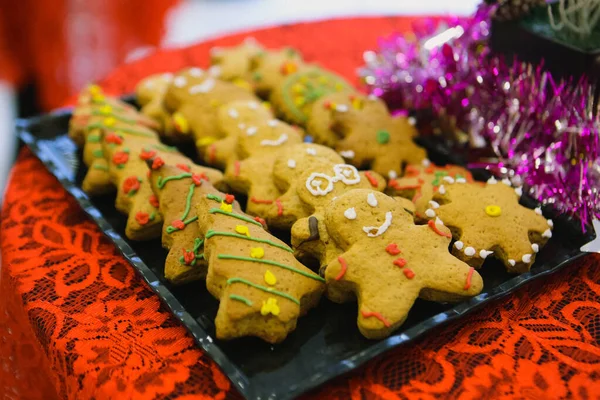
(492, 181)
(547, 233)
(215, 71)
(196, 72)
(526, 258)
(371, 200)
(251, 131)
(538, 210)
(512, 262)
(342, 108)
(291, 163)
(426, 163)
(519, 191)
(469, 251)
(203, 87)
(350, 213)
(438, 221)
(392, 174)
(442, 189)
(233, 113)
(459, 245)
(461, 180)
(430, 213)
(484, 253)
(550, 223)
(535, 247)
(311, 152)
(434, 204)
(448, 179)
(272, 122)
(180, 81)
(242, 126)
(349, 154)
(506, 181)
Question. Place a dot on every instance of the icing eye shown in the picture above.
(348, 174)
(371, 200)
(315, 183)
(350, 213)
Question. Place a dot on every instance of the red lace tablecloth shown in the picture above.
(76, 321)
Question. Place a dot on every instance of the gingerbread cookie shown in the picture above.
(420, 182)
(177, 192)
(388, 261)
(271, 67)
(258, 148)
(150, 93)
(262, 288)
(235, 62)
(385, 144)
(358, 109)
(234, 119)
(489, 221)
(294, 96)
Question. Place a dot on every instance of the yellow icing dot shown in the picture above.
(270, 278)
(106, 109)
(266, 105)
(110, 121)
(270, 307)
(242, 83)
(226, 207)
(257, 252)
(493, 211)
(299, 101)
(98, 98)
(205, 141)
(242, 229)
(94, 89)
(357, 103)
(181, 124)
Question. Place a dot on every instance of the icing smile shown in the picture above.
(373, 231)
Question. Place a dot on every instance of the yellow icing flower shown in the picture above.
(298, 88)
(205, 141)
(226, 207)
(106, 109)
(94, 89)
(357, 103)
(110, 121)
(257, 252)
(270, 307)
(493, 210)
(242, 230)
(180, 123)
(270, 278)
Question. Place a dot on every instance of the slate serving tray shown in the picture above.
(327, 342)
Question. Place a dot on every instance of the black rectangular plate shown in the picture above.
(327, 342)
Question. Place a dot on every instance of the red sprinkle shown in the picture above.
(183, 167)
(433, 226)
(408, 273)
(400, 262)
(157, 163)
(147, 154)
(188, 257)
(371, 179)
(212, 153)
(367, 314)
(260, 201)
(113, 138)
(430, 170)
(327, 105)
(131, 184)
(469, 276)
(236, 168)
(411, 170)
(120, 157)
(421, 181)
(142, 218)
(393, 249)
(229, 198)
(279, 207)
(178, 224)
(261, 221)
(153, 201)
(343, 270)
(197, 179)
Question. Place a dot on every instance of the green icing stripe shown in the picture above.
(270, 262)
(163, 181)
(98, 153)
(188, 202)
(171, 229)
(210, 233)
(101, 167)
(165, 147)
(134, 132)
(241, 217)
(263, 288)
(115, 116)
(241, 298)
(214, 197)
(93, 138)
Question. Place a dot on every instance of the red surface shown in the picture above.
(76, 322)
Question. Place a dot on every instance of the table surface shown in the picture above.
(76, 321)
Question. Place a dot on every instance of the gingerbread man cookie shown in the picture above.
(294, 96)
(388, 261)
(177, 192)
(489, 221)
(358, 109)
(235, 62)
(420, 182)
(262, 288)
(251, 175)
(150, 94)
(272, 67)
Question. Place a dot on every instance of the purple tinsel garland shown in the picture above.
(542, 132)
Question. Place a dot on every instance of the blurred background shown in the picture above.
(49, 49)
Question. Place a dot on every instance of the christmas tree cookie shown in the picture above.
(262, 288)
(177, 193)
(488, 221)
(388, 262)
(421, 181)
(258, 148)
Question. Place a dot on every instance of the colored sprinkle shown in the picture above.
(343, 270)
(171, 229)
(270, 278)
(214, 197)
(400, 262)
(392, 249)
(263, 288)
(101, 167)
(408, 273)
(183, 167)
(371, 179)
(260, 201)
(210, 233)
(257, 252)
(242, 230)
(98, 153)
(93, 138)
(377, 315)
(241, 299)
(279, 207)
(231, 214)
(383, 137)
(270, 262)
(469, 276)
(433, 226)
(163, 181)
